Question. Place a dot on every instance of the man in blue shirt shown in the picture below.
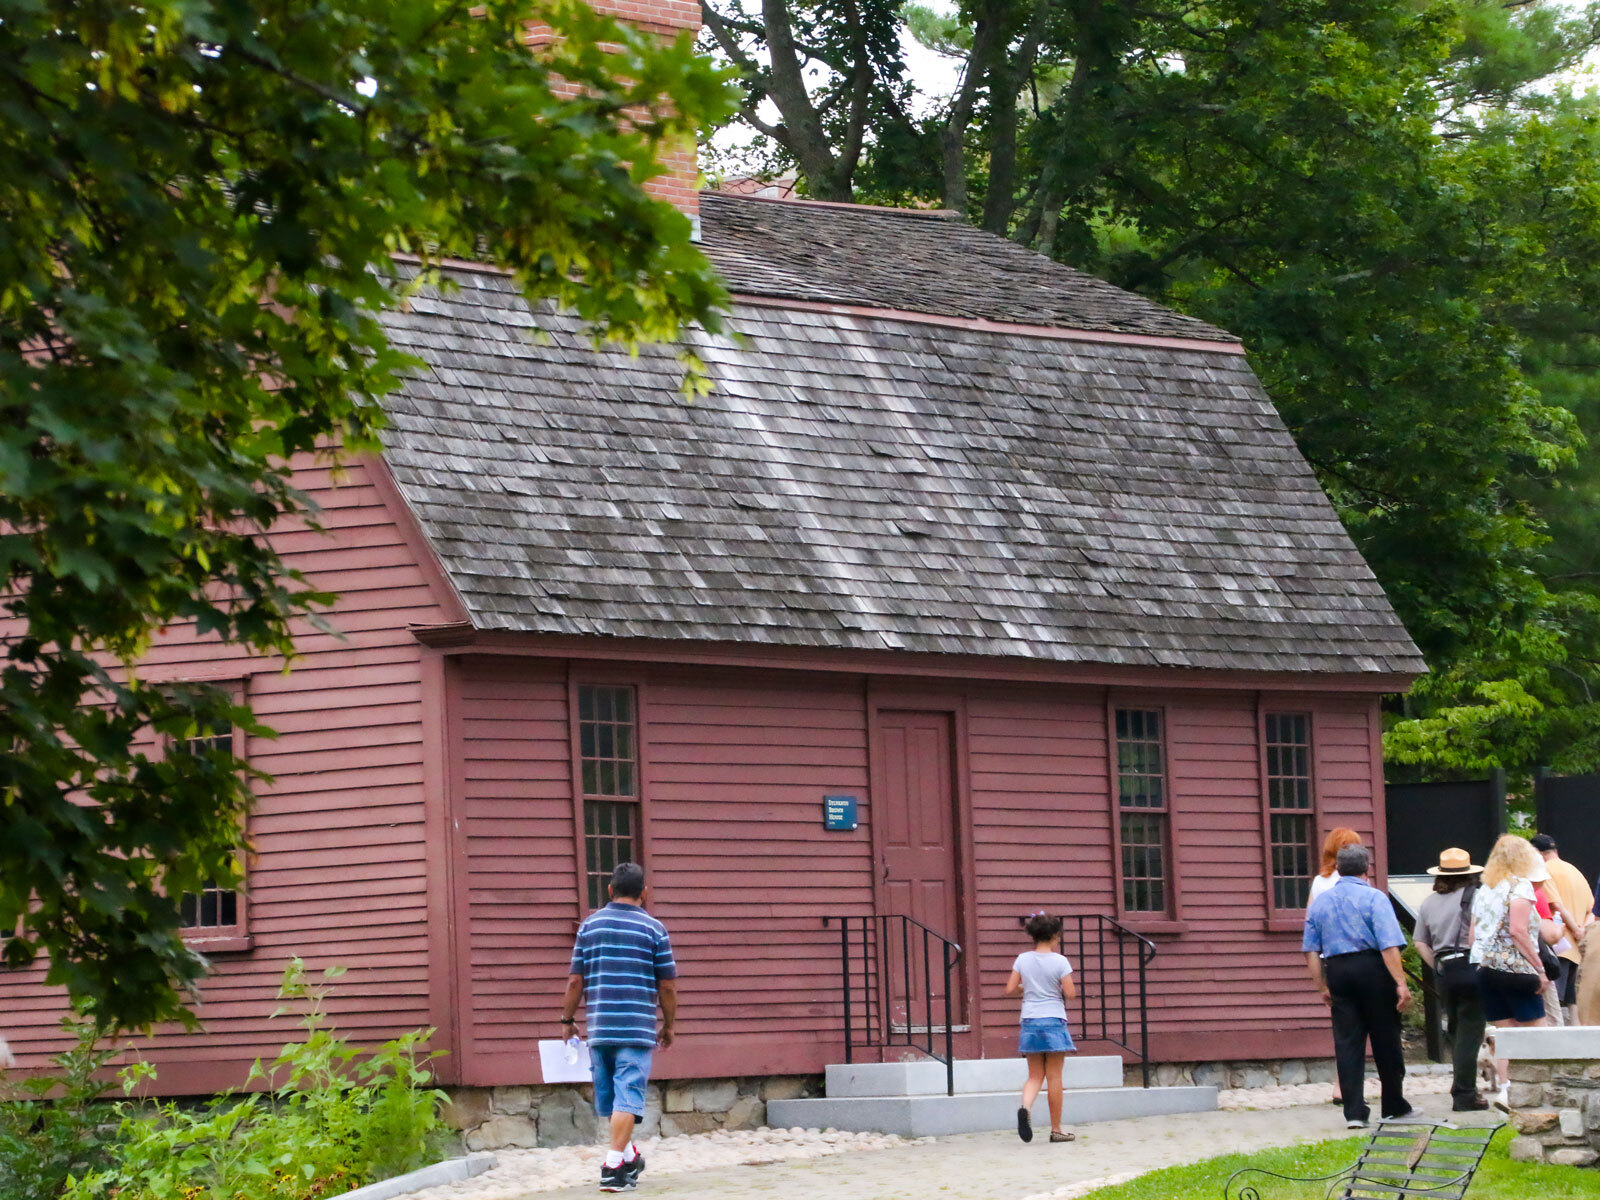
(622, 962)
(1352, 945)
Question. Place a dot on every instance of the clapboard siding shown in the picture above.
(733, 773)
(762, 963)
(514, 796)
(1213, 767)
(1041, 801)
(1225, 948)
(1041, 821)
(734, 767)
(339, 873)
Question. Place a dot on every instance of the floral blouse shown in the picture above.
(1491, 926)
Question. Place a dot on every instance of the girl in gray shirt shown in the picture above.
(1043, 978)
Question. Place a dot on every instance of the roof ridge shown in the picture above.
(939, 214)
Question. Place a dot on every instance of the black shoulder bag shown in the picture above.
(1549, 960)
(1455, 966)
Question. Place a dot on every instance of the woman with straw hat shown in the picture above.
(1442, 937)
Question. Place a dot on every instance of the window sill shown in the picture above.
(231, 943)
(1164, 926)
(1283, 923)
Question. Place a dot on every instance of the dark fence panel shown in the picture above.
(1425, 818)
(1569, 811)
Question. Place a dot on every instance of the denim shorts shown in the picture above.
(1044, 1035)
(1503, 1004)
(620, 1073)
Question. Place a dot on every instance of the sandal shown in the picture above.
(1057, 1136)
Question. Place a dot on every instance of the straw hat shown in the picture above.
(1455, 861)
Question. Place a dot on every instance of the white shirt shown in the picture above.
(1320, 884)
(1042, 972)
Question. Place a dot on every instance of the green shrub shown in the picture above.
(334, 1117)
(50, 1126)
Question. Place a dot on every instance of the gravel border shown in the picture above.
(1295, 1094)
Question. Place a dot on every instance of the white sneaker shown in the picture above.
(1501, 1100)
(1355, 1123)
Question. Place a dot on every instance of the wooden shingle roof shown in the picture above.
(862, 481)
(916, 261)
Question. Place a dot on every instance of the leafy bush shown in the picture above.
(50, 1126)
(335, 1117)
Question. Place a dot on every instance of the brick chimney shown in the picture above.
(681, 184)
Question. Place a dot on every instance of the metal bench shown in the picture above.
(1401, 1158)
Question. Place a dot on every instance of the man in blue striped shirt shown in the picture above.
(622, 963)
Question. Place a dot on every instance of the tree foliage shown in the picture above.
(834, 69)
(199, 216)
(1396, 206)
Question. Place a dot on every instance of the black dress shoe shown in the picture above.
(1472, 1103)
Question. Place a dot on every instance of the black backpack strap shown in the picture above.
(1467, 893)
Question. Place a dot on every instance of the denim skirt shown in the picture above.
(1044, 1035)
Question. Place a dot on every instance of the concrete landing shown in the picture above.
(925, 1078)
(978, 1112)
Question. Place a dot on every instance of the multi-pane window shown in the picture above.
(1142, 810)
(213, 908)
(1291, 816)
(608, 769)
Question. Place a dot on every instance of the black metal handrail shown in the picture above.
(869, 975)
(1106, 953)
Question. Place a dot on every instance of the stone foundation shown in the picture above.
(1260, 1074)
(563, 1115)
(1554, 1094)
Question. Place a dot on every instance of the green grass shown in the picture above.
(1498, 1178)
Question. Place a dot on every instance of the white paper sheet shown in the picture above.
(554, 1067)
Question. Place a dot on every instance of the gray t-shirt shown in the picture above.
(1042, 972)
(1439, 922)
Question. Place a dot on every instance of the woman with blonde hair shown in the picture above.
(1328, 875)
(1504, 941)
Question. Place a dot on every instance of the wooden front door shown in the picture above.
(914, 806)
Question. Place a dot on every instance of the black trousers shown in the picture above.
(1567, 985)
(1363, 1000)
(1464, 1027)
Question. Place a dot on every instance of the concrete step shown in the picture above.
(925, 1078)
(977, 1112)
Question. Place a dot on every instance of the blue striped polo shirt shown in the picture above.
(621, 952)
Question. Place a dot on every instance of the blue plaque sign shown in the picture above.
(839, 812)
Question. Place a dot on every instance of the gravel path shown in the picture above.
(1294, 1095)
(783, 1164)
(521, 1173)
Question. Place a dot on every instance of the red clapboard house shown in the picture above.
(1026, 566)
(975, 586)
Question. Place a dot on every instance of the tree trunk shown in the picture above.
(1006, 79)
(987, 30)
(803, 134)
